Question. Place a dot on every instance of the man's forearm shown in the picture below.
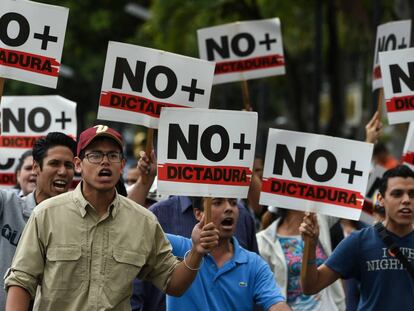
(183, 276)
(18, 299)
(281, 306)
(310, 276)
(139, 191)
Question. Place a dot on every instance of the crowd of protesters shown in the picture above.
(106, 245)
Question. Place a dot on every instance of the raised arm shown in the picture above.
(313, 278)
(140, 189)
(373, 129)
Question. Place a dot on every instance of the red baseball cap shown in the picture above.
(91, 133)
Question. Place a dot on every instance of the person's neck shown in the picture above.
(223, 252)
(99, 200)
(40, 196)
(291, 224)
(398, 229)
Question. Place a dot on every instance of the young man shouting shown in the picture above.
(230, 277)
(85, 247)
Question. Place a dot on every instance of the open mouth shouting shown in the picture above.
(105, 173)
(60, 185)
(227, 223)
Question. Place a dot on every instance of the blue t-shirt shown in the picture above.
(385, 284)
(244, 279)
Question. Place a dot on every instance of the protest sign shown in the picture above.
(408, 151)
(315, 173)
(205, 152)
(31, 41)
(390, 36)
(139, 81)
(397, 69)
(374, 180)
(243, 50)
(24, 119)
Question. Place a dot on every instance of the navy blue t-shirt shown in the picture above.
(385, 283)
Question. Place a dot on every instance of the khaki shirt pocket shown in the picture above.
(124, 265)
(65, 269)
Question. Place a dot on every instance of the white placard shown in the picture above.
(139, 81)
(397, 69)
(310, 172)
(408, 151)
(243, 50)
(205, 152)
(31, 41)
(390, 36)
(25, 119)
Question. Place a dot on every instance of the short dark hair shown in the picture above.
(53, 139)
(399, 171)
(198, 202)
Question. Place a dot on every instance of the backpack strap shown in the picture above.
(393, 247)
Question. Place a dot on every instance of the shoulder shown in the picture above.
(356, 240)
(171, 202)
(179, 244)
(58, 202)
(249, 257)
(9, 195)
(9, 200)
(364, 233)
(267, 233)
(134, 208)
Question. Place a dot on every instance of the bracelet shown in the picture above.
(311, 261)
(188, 267)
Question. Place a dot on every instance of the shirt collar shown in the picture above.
(240, 255)
(30, 203)
(82, 203)
(184, 202)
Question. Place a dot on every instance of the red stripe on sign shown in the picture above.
(200, 174)
(134, 103)
(263, 62)
(18, 141)
(325, 194)
(368, 207)
(403, 103)
(408, 157)
(30, 62)
(377, 73)
(8, 179)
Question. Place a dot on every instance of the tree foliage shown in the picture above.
(347, 31)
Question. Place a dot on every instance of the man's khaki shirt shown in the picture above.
(86, 263)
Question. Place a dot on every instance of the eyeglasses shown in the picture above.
(96, 157)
